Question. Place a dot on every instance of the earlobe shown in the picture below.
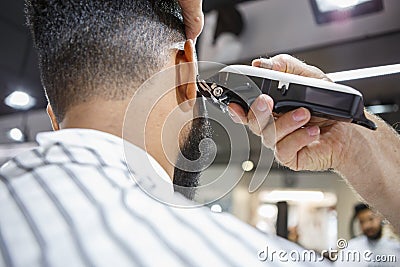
(52, 117)
(186, 74)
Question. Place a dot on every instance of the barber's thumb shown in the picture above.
(265, 63)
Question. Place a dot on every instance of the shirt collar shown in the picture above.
(114, 151)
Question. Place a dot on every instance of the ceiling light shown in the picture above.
(334, 10)
(20, 100)
(380, 109)
(292, 195)
(247, 165)
(216, 208)
(346, 3)
(16, 134)
(364, 73)
(330, 5)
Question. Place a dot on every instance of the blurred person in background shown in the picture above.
(375, 234)
(374, 242)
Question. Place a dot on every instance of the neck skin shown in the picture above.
(105, 116)
(108, 116)
(167, 94)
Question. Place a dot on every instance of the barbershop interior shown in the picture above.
(356, 41)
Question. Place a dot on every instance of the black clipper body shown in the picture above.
(242, 84)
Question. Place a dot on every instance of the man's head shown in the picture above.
(370, 222)
(95, 54)
(101, 49)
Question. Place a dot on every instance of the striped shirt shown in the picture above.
(71, 202)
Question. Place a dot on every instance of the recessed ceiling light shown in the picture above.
(247, 165)
(292, 195)
(346, 3)
(331, 5)
(380, 109)
(216, 208)
(20, 100)
(364, 73)
(335, 10)
(16, 134)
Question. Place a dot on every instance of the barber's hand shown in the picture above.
(193, 17)
(301, 142)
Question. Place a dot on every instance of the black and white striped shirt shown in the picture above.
(70, 202)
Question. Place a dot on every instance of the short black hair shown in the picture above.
(104, 49)
(360, 207)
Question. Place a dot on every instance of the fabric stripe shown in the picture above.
(101, 170)
(45, 162)
(156, 233)
(181, 256)
(32, 225)
(131, 254)
(75, 235)
(114, 206)
(244, 241)
(202, 236)
(124, 247)
(4, 252)
(97, 156)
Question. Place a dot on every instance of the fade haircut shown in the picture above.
(91, 49)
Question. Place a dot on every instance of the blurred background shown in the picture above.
(313, 209)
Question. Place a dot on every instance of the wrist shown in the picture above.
(352, 145)
(359, 156)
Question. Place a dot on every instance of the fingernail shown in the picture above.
(262, 104)
(299, 115)
(313, 130)
(234, 117)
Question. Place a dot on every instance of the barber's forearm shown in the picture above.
(372, 166)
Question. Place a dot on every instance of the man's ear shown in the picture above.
(186, 74)
(52, 117)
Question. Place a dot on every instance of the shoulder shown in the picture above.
(357, 241)
(49, 162)
(390, 242)
(22, 164)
